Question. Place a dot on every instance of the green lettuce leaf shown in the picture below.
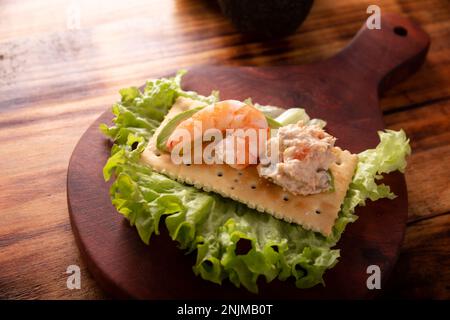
(211, 226)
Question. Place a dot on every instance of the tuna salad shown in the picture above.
(305, 152)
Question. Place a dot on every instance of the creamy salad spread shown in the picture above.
(305, 153)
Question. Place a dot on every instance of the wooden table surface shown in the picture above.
(55, 80)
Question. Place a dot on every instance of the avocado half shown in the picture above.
(266, 18)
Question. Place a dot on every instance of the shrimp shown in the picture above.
(227, 114)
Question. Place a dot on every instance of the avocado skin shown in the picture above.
(266, 18)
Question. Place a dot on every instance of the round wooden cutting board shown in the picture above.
(343, 90)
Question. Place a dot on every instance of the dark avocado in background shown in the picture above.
(266, 18)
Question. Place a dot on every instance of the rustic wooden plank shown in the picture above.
(36, 240)
(423, 268)
(427, 172)
(102, 55)
(34, 261)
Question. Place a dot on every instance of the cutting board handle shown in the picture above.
(384, 56)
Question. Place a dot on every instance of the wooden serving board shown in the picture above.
(343, 90)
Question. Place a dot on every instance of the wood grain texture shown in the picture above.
(426, 247)
(54, 82)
